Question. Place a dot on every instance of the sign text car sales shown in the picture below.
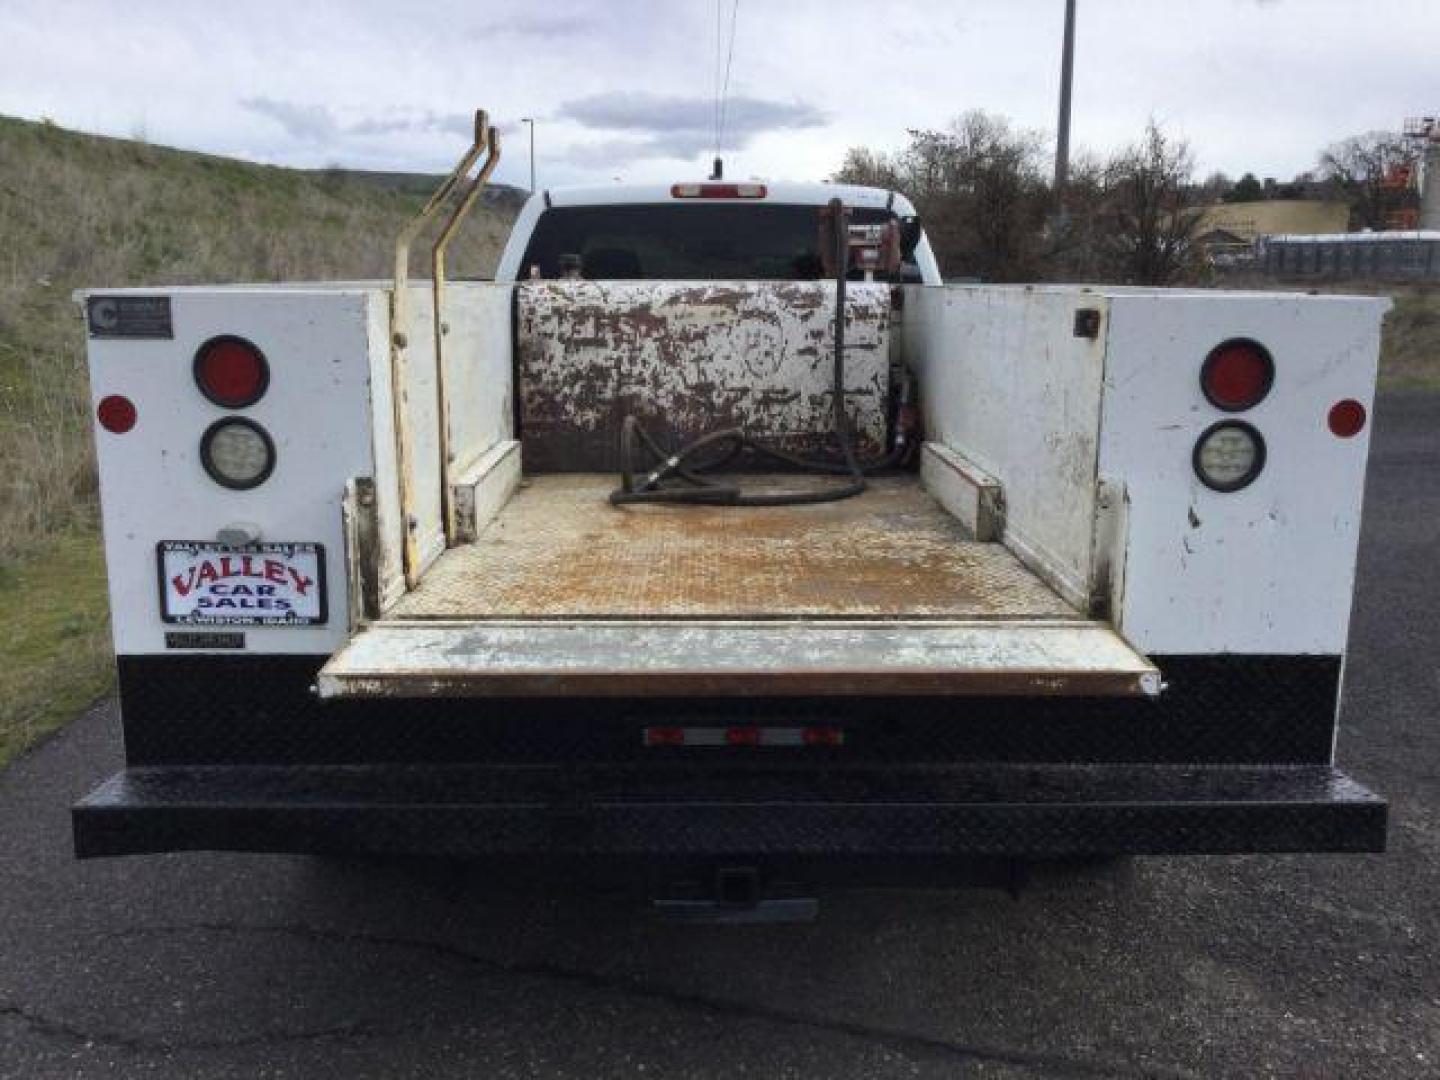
(259, 584)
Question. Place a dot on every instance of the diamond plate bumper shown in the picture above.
(683, 812)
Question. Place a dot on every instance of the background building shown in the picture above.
(1233, 228)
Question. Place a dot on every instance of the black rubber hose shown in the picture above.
(733, 441)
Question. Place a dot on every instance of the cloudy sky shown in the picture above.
(626, 88)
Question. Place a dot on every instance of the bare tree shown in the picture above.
(1364, 170)
(1215, 187)
(980, 187)
(1074, 248)
(998, 195)
(1149, 225)
(867, 167)
(1247, 189)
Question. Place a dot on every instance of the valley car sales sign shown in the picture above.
(205, 584)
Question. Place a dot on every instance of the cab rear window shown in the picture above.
(695, 242)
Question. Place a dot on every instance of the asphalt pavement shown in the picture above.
(247, 966)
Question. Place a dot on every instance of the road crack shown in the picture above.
(910, 1043)
(64, 1031)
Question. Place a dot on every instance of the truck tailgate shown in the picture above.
(633, 658)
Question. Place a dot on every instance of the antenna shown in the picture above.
(722, 76)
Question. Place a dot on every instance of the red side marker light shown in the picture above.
(116, 413)
(1347, 418)
(664, 736)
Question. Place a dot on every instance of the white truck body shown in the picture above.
(1075, 431)
(1053, 557)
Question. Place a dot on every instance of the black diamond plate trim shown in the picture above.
(767, 815)
(214, 709)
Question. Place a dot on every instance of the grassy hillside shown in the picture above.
(85, 211)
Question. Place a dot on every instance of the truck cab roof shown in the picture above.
(743, 201)
(783, 191)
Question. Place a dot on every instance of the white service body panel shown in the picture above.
(1093, 438)
(1269, 568)
(1090, 438)
(330, 410)
(1005, 382)
(153, 489)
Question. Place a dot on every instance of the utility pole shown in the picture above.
(530, 120)
(1062, 140)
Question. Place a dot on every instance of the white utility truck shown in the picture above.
(623, 559)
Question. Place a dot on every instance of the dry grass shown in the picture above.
(1410, 353)
(54, 641)
(49, 480)
(80, 211)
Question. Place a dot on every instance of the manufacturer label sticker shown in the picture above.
(209, 584)
(129, 317)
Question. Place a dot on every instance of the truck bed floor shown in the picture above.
(558, 549)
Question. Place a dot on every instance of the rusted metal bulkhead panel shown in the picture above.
(688, 358)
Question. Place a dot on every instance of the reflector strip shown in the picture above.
(743, 736)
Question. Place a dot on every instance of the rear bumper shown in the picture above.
(918, 814)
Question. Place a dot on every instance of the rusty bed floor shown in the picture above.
(558, 549)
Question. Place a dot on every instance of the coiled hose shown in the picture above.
(716, 448)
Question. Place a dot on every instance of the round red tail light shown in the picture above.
(1237, 375)
(116, 413)
(231, 372)
(1347, 418)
